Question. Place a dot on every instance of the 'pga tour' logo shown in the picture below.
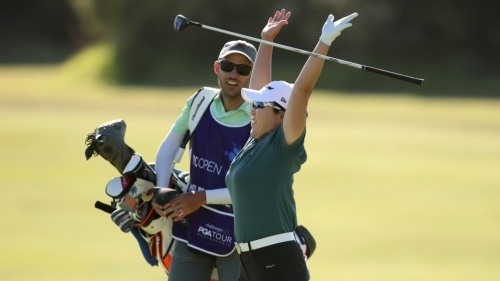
(214, 235)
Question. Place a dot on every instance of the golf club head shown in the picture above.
(181, 23)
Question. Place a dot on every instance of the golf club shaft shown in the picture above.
(399, 76)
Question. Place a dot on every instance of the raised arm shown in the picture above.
(262, 69)
(294, 121)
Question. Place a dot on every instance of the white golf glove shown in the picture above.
(331, 29)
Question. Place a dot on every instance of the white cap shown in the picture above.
(239, 47)
(277, 91)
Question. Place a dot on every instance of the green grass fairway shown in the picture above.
(395, 188)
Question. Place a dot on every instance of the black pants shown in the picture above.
(283, 261)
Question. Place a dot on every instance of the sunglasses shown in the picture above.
(241, 69)
(262, 104)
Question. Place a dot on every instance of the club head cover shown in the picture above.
(108, 141)
(123, 220)
(163, 196)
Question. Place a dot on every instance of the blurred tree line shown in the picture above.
(449, 43)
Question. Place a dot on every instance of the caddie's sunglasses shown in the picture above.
(241, 69)
(262, 104)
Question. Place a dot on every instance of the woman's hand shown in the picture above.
(274, 24)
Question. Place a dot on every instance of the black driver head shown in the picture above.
(181, 23)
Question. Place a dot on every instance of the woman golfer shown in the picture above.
(260, 178)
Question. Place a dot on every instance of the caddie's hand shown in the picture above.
(331, 29)
(274, 24)
(157, 207)
(185, 204)
(162, 196)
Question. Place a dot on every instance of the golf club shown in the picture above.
(181, 23)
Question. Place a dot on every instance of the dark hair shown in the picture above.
(278, 105)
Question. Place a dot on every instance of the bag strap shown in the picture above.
(200, 103)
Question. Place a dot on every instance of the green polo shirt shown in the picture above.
(260, 181)
(238, 117)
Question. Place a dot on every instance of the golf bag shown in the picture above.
(132, 194)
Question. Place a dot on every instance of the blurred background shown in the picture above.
(451, 44)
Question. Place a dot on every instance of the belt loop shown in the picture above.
(249, 246)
